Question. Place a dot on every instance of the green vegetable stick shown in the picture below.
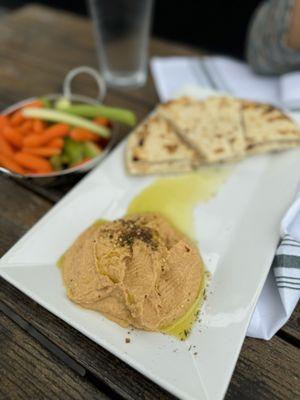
(65, 159)
(91, 111)
(74, 151)
(56, 162)
(62, 103)
(46, 102)
(90, 149)
(48, 114)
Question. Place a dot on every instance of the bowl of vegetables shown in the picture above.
(53, 138)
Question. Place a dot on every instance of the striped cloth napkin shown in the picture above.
(281, 291)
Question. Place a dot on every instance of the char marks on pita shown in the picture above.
(155, 147)
(266, 125)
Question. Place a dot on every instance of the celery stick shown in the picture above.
(91, 111)
(60, 116)
(62, 103)
(90, 149)
(74, 151)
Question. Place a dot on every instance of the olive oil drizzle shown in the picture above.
(176, 197)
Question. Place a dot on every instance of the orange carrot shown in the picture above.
(3, 121)
(32, 162)
(42, 151)
(26, 127)
(57, 143)
(55, 131)
(38, 126)
(5, 148)
(34, 140)
(16, 118)
(83, 135)
(102, 121)
(9, 163)
(13, 136)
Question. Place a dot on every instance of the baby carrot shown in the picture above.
(38, 126)
(9, 163)
(17, 118)
(26, 127)
(13, 136)
(5, 148)
(55, 131)
(83, 135)
(42, 151)
(34, 140)
(3, 121)
(32, 162)
(57, 143)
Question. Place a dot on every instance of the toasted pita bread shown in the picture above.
(213, 126)
(186, 133)
(266, 124)
(154, 146)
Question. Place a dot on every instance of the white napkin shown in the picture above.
(281, 291)
(228, 75)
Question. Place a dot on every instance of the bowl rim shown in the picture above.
(77, 169)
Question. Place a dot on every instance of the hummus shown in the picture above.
(138, 271)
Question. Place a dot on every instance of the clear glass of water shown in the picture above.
(122, 30)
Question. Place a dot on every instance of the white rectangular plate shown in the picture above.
(237, 231)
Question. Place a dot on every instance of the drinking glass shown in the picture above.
(122, 34)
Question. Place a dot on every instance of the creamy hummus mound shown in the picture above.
(138, 271)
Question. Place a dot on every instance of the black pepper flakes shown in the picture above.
(133, 231)
(127, 340)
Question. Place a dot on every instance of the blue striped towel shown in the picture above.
(281, 291)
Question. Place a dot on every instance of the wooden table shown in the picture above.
(41, 356)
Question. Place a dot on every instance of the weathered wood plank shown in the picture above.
(69, 42)
(19, 210)
(28, 371)
(292, 327)
(265, 369)
(113, 372)
(271, 370)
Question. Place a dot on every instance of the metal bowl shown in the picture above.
(67, 175)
